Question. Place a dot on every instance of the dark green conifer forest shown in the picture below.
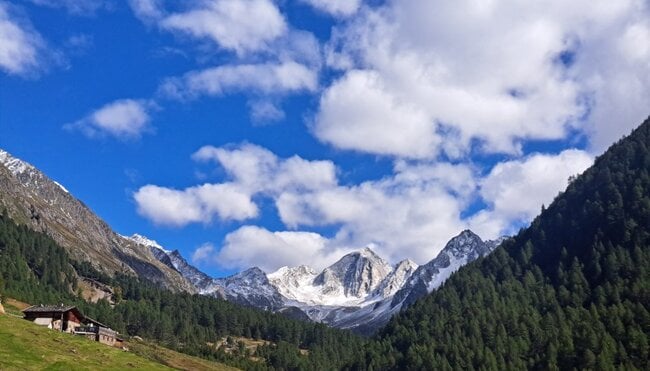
(572, 291)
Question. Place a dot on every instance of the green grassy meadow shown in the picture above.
(26, 346)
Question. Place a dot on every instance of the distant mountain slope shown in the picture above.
(572, 291)
(31, 198)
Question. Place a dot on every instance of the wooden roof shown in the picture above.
(41, 309)
(49, 308)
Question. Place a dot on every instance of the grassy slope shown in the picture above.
(25, 346)
(174, 359)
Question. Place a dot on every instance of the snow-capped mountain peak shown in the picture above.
(460, 250)
(26, 172)
(142, 240)
(356, 274)
(467, 242)
(15, 165)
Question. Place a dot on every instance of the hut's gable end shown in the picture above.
(62, 318)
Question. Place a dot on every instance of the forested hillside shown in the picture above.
(33, 268)
(572, 291)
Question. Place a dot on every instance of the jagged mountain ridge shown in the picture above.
(360, 291)
(33, 199)
(460, 250)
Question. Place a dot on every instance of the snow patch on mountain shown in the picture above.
(15, 165)
(142, 240)
(443, 273)
(396, 279)
(64, 189)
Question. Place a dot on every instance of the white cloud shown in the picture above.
(203, 254)
(21, 47)
(254, 170)
(251, 246)
(123, 118)
(268, 78)
(411, 213)
(239, 25)
(199, 204)
(147, 10)
(452, 74)
(359, 113)
(259, 170)
(616, 71)
(515, 190)
(339, 8)
(263, 112)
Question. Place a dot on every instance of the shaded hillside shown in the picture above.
(38, 202)
(570, 291)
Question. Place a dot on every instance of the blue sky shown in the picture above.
(254, 132)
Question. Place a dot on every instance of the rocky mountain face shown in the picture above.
(31, 198)
(355, 275)
(250, 287)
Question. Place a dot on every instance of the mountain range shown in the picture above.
(360, 291)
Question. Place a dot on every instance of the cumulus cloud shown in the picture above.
(616, 72)
(259, 170)
(359, 113)
(339, 8)
(411, 213)
(253, 170)
(22, 49)
(199, 204)
(515, 190)
(123, 119)
(266, 78)
(251, 246)
(238, 25)
(493, 74)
